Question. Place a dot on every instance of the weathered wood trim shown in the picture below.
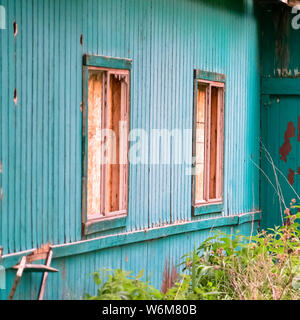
(282, 86)
(85, 246)
(107, 62)
(207, 144)
(220, 140)
(210, 76)
(140, 236)
(150, 234)
(207, 208)
(10, 260)
(248, 217)
(84, 143)
(209, 205)
(194, 143)
(99, 225)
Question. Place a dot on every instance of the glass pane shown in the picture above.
(95, 100)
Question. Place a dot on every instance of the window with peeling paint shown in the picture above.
(107, 121)
(208, 142)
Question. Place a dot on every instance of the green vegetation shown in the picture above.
(121, 285)
(265, 266)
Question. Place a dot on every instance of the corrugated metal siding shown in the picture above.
(277, 112)
(280, 59)
(167, 40)
(74, 279)
(280, 44)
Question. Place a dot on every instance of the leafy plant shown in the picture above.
(192, 285)
(263, 266)
(121, 285)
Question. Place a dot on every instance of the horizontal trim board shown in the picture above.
(207, 208)
(105, 242)
(284, 86)
(210, 76)
(91, 226)
(248, 217)
(107, 62)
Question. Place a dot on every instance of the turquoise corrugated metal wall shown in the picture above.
(280, 107)
(40, 145)
(41, 134)
(73, 280)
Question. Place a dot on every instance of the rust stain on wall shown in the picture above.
(64, 271)
(64, 278)
(169, 278)
(298, 129)
(291, 176)
(282, 22)
(286, 148)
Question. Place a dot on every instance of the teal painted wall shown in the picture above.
(280, 109)
(41, 135)
(40, 145)
(73, 280)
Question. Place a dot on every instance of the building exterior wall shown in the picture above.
(158, 258)
(40, 116)
(280, 119)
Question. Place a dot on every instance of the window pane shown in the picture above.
(95, 100)
(200, 142)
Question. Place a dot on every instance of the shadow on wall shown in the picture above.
(238, 6)
(280, 42)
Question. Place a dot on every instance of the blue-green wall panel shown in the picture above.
(41, 136)
(73, 280)
(280, 105)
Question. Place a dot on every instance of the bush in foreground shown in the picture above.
(261, 267)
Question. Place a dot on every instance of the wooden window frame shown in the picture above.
(112, 220)
(209, 79)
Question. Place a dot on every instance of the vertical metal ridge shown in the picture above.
(41, 155)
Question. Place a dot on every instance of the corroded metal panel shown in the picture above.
(280, 156)
(280, 121)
